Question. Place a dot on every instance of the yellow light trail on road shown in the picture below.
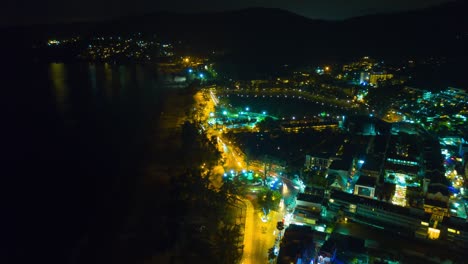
(247, 258)
(256, 242)
(213, 97)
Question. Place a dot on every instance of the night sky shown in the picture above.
(17, 12)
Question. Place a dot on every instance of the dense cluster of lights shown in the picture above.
(58, 42)
(117, 47)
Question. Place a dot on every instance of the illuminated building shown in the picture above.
(354, 247)
(321, 162)
(327, 252)
(427, 95)
(403, 172)
(430, 224)
(437, 209)
(341, 168)
(454, 95)
(296, 126)
(376, 77)
(402, 166)
(383, 214)
(365, 186)
(364, 78)
(260, 83)
(308, 209)
(365, 64)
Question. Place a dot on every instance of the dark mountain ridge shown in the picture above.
(266, 36)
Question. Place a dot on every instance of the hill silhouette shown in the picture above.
(265, 36)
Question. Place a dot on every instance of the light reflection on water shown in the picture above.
(123, 77)
(109, 87)
(58, 77)
(100, 84)
(92, 77)
(99, 96)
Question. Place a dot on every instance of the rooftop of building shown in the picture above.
(320, 155)
(349, 243)
(295, 240)
(310, 198)
(297, 230)
(435, 203)
(438, 188)
(360, 140)
(395, 158)
(434, 169)
(313, 190)
(306, 212)
(449, 222)
(351, 198)
(401, 168)
(344, 163)
(329, 246)
(372, 163)
(366, 181)
(456, 222)
(380, 144)
(411, 154)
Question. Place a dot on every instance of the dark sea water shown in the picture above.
(75, 138)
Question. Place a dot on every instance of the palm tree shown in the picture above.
(269, 200)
